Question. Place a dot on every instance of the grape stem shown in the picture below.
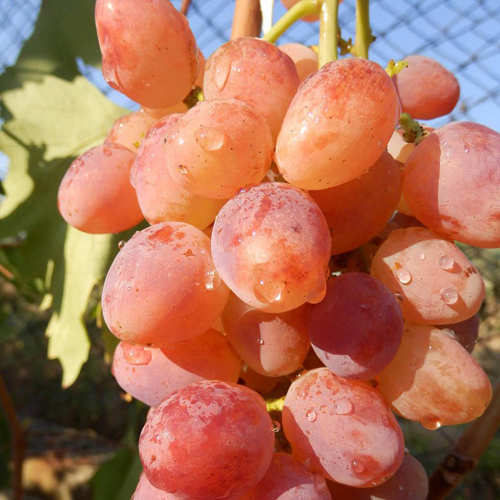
(328, 32)
(364, 36)
(395, 67)
(298, 11)
(413, 131)
(275, 404)
(194, 97)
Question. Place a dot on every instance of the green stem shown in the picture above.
(395, 67)
(328, 32)
(298, 11)
(364, 35)
(194, 97)
(413, 131)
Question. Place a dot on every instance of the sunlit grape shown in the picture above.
(130, 130)
(305, 59)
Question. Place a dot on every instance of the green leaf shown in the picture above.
(64, 30)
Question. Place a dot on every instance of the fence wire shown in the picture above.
(464, 35)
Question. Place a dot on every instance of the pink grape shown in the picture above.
(288, 479)
(218, 147)
(337, 125)
(130, 130)
(148, 50)
(160, 197)
(446, 194)
(343, 428)
(146, 491)
(162, 287)
(162, 372)
(255, 72)
(271, 344)
(408, 483)
(465, 332)
(271, 246)
(257, 382)
(434, 281)
(426, 89)
(304, 58)
(180, 107)
(210, 440)
(357, 328)
(95, 195)
(434, 380)
(358, 210)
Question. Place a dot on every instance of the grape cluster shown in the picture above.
(295, 230)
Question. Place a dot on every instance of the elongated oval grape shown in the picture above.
(434, 281)
(160, 197)
(465, 332)
(357, 328)
(96, 196)
(304, 58)
(343, 428)
(151, 375)
(255, 72)
(210, 440)
(130, 130)
(288, 479)
(148, 50)
(271, 344)
(257, 382)
(409, 483)
(426, 89)
(218, 147)
(271, 246)
(434, 380)
(449, 196)
(337, 125)
(358, 210)
(162, 287)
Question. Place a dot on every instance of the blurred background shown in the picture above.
(80, 441)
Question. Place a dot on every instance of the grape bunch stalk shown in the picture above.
(301, 245)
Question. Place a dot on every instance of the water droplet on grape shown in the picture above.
(446, 263)
(222, 73)
(212, 279)
(182, 169)
(431, 423)
(121, 244)
(466, 150)
(261, 341)
(357, 466)
(450, 333)
(398, 297)
(311, 415)
(137, 354)
(128, 288)
(268, 291)
(210, 138)
(276, 426)
(449, 296)
(322, 409)
(401, 487)
(403, 276)
(421, 256)
(343, 406)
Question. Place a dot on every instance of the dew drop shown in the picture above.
(446, 263)
(222, 73)
(357, 466)
(401, 487)
(121, 244)
(210, 138)
(267, 291)
(450, 333)
(398, 297)
(466, 150)
(128, 288)
(212, 279)
(322, 409)
(421, 256)
(276, 426)
(182, 169)
(261, 341)
(431, 423)
(137, 354)
(403, 276)
(311, 415)
(343, 406)
(449, 296)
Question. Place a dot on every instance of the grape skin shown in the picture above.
(95, 195)
(357, 328)
(426, 89)
(465, 332)
(359, 209)
(210, 440)
(130, 130)
(143, 44)
(271, 246)
(337, 125)
(422, 298)
(343, 427)
(208, 356)
(304, 58)
(288, 479)
(408, 483)
(146, 491)
(255, 72)
(162, 287)
(271, 344)
(434, 380)
(218, 147)
(257, 382)
(446, 194)
(161, 199)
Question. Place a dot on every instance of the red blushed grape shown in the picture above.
(271, 246)
(337, 125)
(409, 483)
(257, 382)
(148, 50)
(446, 194)
(210, 440)
(146, 491)
(344, 428)
(218, 147)
(357, 328)
(162, 287)
(160, 197)
(151, 375)
(271, 344)
(465, 332)
(130, 130)
(426, 89)
(304, 58)
(288, 479)
(255, 72)
(95, 195)
(434, 380)
(433, 280)
(359, 209)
